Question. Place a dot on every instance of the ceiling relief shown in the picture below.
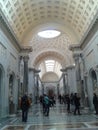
(59, 60)
(24, 14)
(49, 55)
(28, 17)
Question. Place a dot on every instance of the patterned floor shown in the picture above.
(58, 119)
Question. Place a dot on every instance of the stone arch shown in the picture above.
(50, 76)
(50, 54)
(93, 77)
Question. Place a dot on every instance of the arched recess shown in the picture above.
(50, 76)
(11, 93)
(94, 81)
(49, 55)
(1, 89)
(64, 28)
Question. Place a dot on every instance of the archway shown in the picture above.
(94, 81)
(11, 94)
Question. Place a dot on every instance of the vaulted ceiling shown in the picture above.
(73, 18)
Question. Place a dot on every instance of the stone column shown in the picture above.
(36, 88)
(36, 85)
(25, 78)
(64, 80)
(42, 88)
(85, 74)
(24, 52)
(32, 83)
(58, 93)
(78, 75)
(64, 83)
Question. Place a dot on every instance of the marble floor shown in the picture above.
(58, 119)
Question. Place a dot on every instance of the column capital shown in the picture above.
(74, 47)
(70, 67)
(26, 49)
(77, 54)
(34, 70)
(26, 58)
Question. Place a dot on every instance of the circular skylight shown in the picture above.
(49, 33)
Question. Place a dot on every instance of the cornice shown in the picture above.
(8, 30)
(34, 70)
(70, 67)
(74, 47)
(93, 27)
(26, 49)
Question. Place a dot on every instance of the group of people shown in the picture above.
(70, 101)
(47, 102)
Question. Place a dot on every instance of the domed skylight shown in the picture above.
(49, 33)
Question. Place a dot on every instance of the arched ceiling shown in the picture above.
(59, 62)
(49, 55)
(56, 47)
(72, 17)
(50, 76)
(24, 15)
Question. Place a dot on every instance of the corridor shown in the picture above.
(58, 119)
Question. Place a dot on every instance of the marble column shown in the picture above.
(64, 80)
(36, 85)
(42, 89)
(32, 83)
(36, 88)
(25, 78)
(85, 74)
(64, 83)
(58, 93)
(78, 75)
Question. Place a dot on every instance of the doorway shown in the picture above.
(11, 94)
(94, 80)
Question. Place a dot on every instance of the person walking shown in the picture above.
(25, 107)
(47, 105)
(95, 102)
(77, 104)
(68, 103)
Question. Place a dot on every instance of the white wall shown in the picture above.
(90, 53)
(9, 61)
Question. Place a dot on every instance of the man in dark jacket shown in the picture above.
(95, 102)
(77, 104)
(24, 107)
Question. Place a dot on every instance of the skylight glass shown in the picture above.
(49, 33)
(49, 65)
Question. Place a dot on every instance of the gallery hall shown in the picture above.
(48, 64)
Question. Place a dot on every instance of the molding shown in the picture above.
(93, 28)
(26, 49)
(34, 70)
(74, 47)
(70, 67)
(4, 25)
